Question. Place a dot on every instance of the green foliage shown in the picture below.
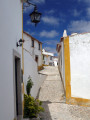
(29, 85)
(32, 106)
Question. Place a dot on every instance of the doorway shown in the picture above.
(36, 58)
(17, 86)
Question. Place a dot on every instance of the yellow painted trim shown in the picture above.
(69, 99)
(22, 61)
(23, 97)
(67, 67)
(23, 88)
(79, 101)
(40, 67)
(45, 65)
(22, 43)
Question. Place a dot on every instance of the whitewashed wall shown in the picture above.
(80, 65)
(10, 33)
(61, 63)
(47, 56)
(30, 68)
(38, 52)
(47, 60)
(55, 60)
(33, 50)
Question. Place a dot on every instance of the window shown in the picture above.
(50, 57)
(43, 57)
(39, 46)
(32, 43)
(36, 58)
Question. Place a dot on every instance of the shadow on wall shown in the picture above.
(46, 114)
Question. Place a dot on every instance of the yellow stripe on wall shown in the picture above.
(67, 68)
(22, 62)
(23, 97)
(69, 98)
(22, 43)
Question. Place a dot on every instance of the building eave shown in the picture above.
(79, 34)
(32, 37)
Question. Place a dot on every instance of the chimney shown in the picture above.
(65, 33)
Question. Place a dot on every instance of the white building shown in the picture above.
(32, 49)
(34, 46)
(74, 63)
(55, 60)
(10, 60)
(47, 58)
(11, 57)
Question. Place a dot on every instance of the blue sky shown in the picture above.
(57, 15)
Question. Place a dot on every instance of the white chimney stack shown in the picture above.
(65, 33)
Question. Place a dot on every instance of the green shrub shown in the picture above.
(32, 106)
(29, 85)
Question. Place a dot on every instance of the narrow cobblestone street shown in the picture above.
(52, 96)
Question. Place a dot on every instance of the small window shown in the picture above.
(32, 43)
(50, 57)
(39, 46)
(43, 57)
(36, 58)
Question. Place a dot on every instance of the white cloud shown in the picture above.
(62, 17)
(30, 32)
(50, 20)
(76, 13)
(79, 26)
(29, 22)
(50, 49)
(38, 1)
(50, 34)
(27, 9)
(50, 12)
(85, 1)
(49, 42)
(88, 12)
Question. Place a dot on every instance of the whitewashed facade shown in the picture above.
(10, 59)
(61, 62)
(55, 60)
(80, 63)
(74, 63)
(34, 46)
(48, 58)
(30, 65)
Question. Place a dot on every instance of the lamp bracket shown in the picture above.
(20, 42)
(28, 4)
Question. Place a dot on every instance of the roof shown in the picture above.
(80, 33)
(31, 37)
(62, 38)
(47, 53)
(55, 56)
(58, 47)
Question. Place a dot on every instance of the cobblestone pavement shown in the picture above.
(52, 96)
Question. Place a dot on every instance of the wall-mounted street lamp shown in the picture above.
(35, 15)
(20, 42)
